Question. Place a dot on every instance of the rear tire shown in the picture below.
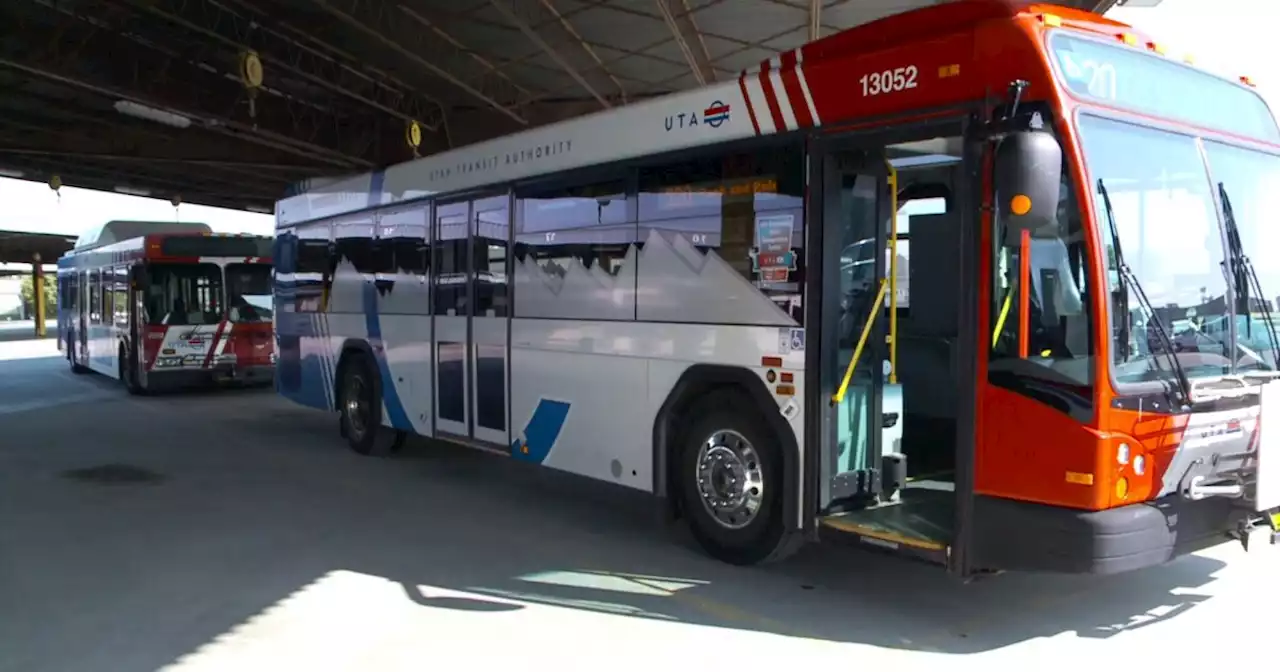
(360, 409)
(731, 484)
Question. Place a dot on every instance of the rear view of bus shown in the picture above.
(157, 304)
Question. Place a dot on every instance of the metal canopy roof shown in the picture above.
(150, 95)
(16, 247)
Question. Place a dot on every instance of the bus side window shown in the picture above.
(402, 254)
(584, 231)
(353, 243)
(95, 297)
(491, 229)
(747, 209)
(449, 298)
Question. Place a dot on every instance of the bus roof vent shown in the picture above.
(118, 230)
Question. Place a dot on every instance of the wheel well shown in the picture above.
(696, 382)
(353, 346)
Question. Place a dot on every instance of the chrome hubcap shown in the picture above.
(355, 405)
(730, 478)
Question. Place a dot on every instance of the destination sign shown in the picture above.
(1151, 84)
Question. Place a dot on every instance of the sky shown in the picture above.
(1230, 39)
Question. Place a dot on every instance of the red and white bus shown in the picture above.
(158, 303)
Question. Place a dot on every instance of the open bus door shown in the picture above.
(892, 472)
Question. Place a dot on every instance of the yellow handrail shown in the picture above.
(862, 342)
(1004, 315)
(893, 273)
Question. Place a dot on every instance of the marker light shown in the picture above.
(1189, 59)
(1122, 488)
(1156, 47)
(1020, 204)
(1122, 454)
(1139, 465)
(1051, 20)
(1129, 39)
(1244, 79)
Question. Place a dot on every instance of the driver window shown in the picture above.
(1059, 338)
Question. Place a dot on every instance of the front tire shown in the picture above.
(731, 483)
(129, 374)
(76, 367)
(360, 409)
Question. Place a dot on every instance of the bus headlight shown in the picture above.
(1139, 465)
(1122, 454)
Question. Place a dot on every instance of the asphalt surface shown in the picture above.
(233, 531)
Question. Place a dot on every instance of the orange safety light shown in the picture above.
(1020, 204)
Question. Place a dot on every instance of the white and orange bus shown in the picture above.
(159, 303)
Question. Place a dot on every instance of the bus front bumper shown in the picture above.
(1013, 535)
(249, 374)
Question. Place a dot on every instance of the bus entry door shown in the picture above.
(856, 206)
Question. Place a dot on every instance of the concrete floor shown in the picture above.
(255, 540)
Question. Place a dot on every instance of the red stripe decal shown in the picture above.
(774, 110)
(791, 82)
(751, 111)
(213, 347)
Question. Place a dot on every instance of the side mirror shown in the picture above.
(1028, 180)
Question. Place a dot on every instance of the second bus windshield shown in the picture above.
(184, 294)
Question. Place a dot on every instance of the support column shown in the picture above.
(37, 289)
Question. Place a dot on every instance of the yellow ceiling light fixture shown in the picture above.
(413, 135)
(251, 78)
(250, 69)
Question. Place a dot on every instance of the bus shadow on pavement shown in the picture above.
(278, 520)
(826, 592)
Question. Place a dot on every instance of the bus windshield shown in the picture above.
(1251, 181)
(1166, 216)
(249, 292)
(184, 294)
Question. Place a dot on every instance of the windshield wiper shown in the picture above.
(1129, 281)
(1240, 263)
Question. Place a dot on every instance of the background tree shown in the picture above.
(27, 291)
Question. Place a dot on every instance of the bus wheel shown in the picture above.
(129, 373)
(731, 481)
(360, 409)
(76, 366)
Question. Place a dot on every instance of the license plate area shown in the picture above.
(1266, 496)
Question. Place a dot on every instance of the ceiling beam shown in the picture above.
(679, 19)
(208, 19)
(509, 13)
(563, 19)
(385, 28)
(183, 81)
(213, 123)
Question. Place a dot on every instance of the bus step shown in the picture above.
(904, 527)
